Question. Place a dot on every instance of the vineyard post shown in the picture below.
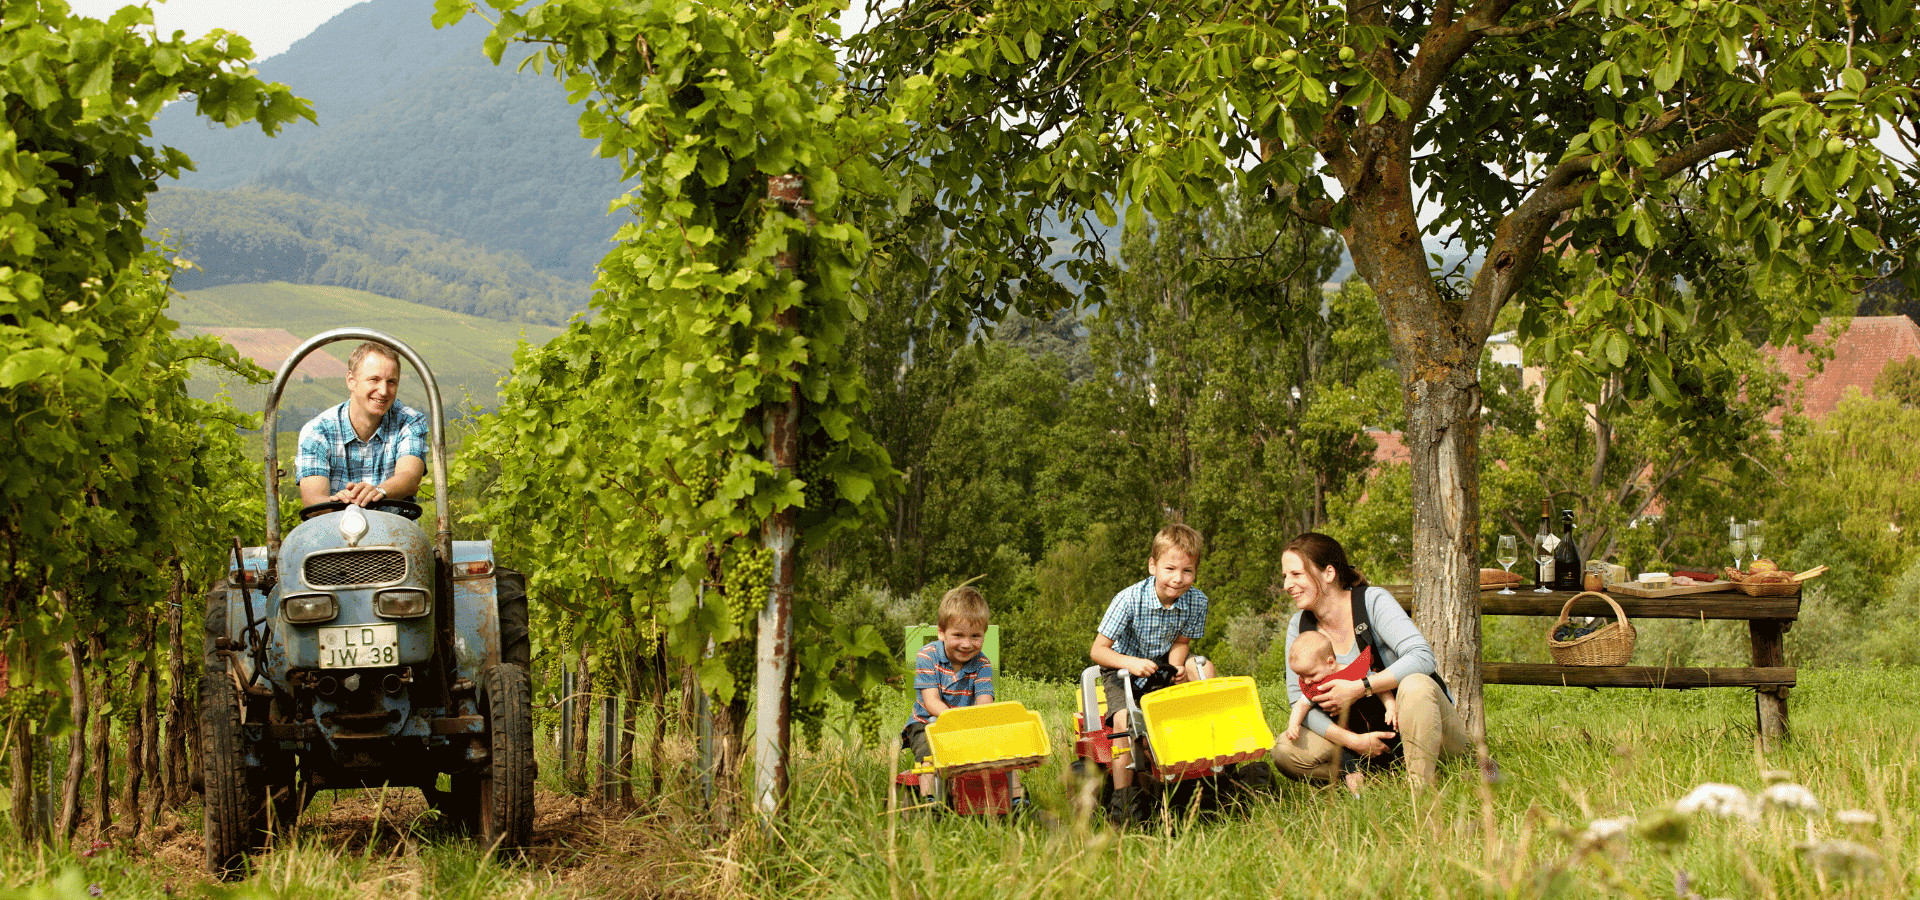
(566, 721)
(773, 668)
(609, 746)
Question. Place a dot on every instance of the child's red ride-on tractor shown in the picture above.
(1201, 740)
(975, 750)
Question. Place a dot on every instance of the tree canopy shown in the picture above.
(1588, 150)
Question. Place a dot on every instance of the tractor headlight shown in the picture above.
(306, 609)
(402, 603)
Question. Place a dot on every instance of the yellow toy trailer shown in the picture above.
(974, 749)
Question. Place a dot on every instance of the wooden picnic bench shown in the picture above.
(1767, 618)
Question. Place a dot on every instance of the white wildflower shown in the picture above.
(1790, 797)
(1719, 800)
(1842, 859)
(1856, 817)
(1600, 831)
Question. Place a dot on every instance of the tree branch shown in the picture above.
(1521, 235)
(1526, 28)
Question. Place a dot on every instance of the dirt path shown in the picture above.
(579, 849)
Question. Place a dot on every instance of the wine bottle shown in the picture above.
(1566, 557)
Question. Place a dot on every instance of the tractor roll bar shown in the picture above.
(443, 536)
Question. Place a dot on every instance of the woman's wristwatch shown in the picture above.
(1366, 681)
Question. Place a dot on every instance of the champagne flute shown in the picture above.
(1755, 541)
(1542, 558)
(1737, 534)
(1508, 555)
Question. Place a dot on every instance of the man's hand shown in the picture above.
(360, 494)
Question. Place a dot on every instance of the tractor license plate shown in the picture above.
(359, 645)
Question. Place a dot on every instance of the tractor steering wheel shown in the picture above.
(407, 508)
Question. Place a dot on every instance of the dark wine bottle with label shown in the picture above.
(1566, 557)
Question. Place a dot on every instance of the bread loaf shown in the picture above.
(1493, 578)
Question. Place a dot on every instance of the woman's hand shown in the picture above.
(1370, 744)
(1339, 695)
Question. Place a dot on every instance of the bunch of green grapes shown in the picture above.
(748, 576)
(739, 656)
(647, 630)
(809, 716)
(819, 490)
(866, 717)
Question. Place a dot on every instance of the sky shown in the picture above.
(271, 25)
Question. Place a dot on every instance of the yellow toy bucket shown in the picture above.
(987, 738)
(1204, 724)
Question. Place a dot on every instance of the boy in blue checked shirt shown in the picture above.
(1150, 625)
(952, 672)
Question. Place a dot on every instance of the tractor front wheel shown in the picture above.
(506, 790)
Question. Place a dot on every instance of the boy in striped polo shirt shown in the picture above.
(952, 672)
(1150, 626)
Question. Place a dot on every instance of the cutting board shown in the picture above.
(1633, 589)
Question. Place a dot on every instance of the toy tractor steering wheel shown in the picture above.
(407, 508)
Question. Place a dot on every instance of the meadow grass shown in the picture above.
(1567, 758)
(469, 355)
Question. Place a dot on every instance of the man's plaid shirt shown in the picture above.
(329, 446)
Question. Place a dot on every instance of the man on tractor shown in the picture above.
(370, 448)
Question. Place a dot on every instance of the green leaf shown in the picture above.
(854, 486)
(1616, 349)
(1009, 49)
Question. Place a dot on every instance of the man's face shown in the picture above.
(371, 390)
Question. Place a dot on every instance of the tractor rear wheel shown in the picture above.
(506, 791)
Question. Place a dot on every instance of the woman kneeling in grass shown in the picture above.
(1332, 598)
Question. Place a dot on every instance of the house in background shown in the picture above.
(1861, 352)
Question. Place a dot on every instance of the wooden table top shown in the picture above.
(1729, 604)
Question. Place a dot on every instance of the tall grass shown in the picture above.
(1567, 758)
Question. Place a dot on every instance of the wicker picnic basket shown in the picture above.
(1612, 645)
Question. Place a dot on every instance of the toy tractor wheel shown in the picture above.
(505, 796)
(235, 810)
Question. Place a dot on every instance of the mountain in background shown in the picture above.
(250, 236)
(417, 129)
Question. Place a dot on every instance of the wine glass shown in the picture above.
(1509, 554)
(1755, 540)
(1543, 558)
(1737, 538)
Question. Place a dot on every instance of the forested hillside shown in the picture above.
(416, 129)
(250, 236)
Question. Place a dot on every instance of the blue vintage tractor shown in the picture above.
(363, 652)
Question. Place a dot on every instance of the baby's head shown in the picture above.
(1311, 656)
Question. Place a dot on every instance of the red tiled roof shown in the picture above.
(1389, 447)
(1862, 351)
